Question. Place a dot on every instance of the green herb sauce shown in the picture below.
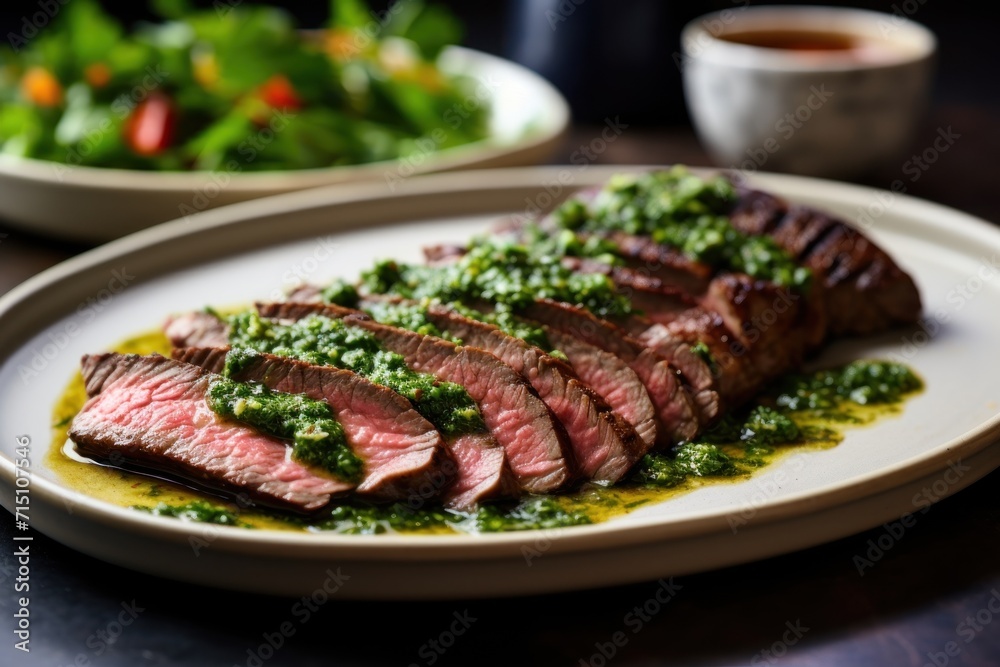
(860, 382)
(741, 442)
(503, 273)
(802, 412)
(198, 510)
(680, 209)
(341, 293)
(319, 438)
(328, 342)
(414, 317)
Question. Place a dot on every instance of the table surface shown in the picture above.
(937, 589)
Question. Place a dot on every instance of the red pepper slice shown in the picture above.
(149, 129)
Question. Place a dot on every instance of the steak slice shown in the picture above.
(865, 291)
(678, 419)
(403, 454)
(151, 412)
(535, 443)
(613, 380)
(196, 329)
(605, 446)
(664, 262)
(483, 471)
(481, 475)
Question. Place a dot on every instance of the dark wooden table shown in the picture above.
(931, 599)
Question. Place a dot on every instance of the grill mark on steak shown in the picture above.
(605, 446)
(864, 290)
(535, 443)
(404, 456)
(151, 412)
(655, 260)
(677, 418)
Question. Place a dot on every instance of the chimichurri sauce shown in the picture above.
(319, 439)
(504, 273)
(329, 342)
(800, 412)
(683, 210)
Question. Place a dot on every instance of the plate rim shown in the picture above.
(566, 540)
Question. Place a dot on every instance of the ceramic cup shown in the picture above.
(820, 91)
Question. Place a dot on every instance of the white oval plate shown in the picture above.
(528, 119)
(939, 444)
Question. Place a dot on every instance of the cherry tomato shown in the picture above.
(279, 93)
(149, 129)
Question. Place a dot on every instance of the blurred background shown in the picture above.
(617, 58)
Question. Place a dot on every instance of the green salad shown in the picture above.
(236, 87)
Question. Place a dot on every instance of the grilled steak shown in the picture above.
(613, 380)
(151, 412)
(864, 289)
(196, 329)
(678, 419)
(535, 443)
(599, 371)
(481, 475)
(604, 445)
(403, 454)
(483, 471)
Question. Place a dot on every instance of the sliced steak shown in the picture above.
(678, 419)
(612, 379)
(753, 332)
(660, 261)
(196, 329)
(483, 471)
(403, 454)
(535, 443)
(865, 291)
(605, 446)
(151, 412)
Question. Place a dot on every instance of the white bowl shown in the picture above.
(831, 114)
(529, 118)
